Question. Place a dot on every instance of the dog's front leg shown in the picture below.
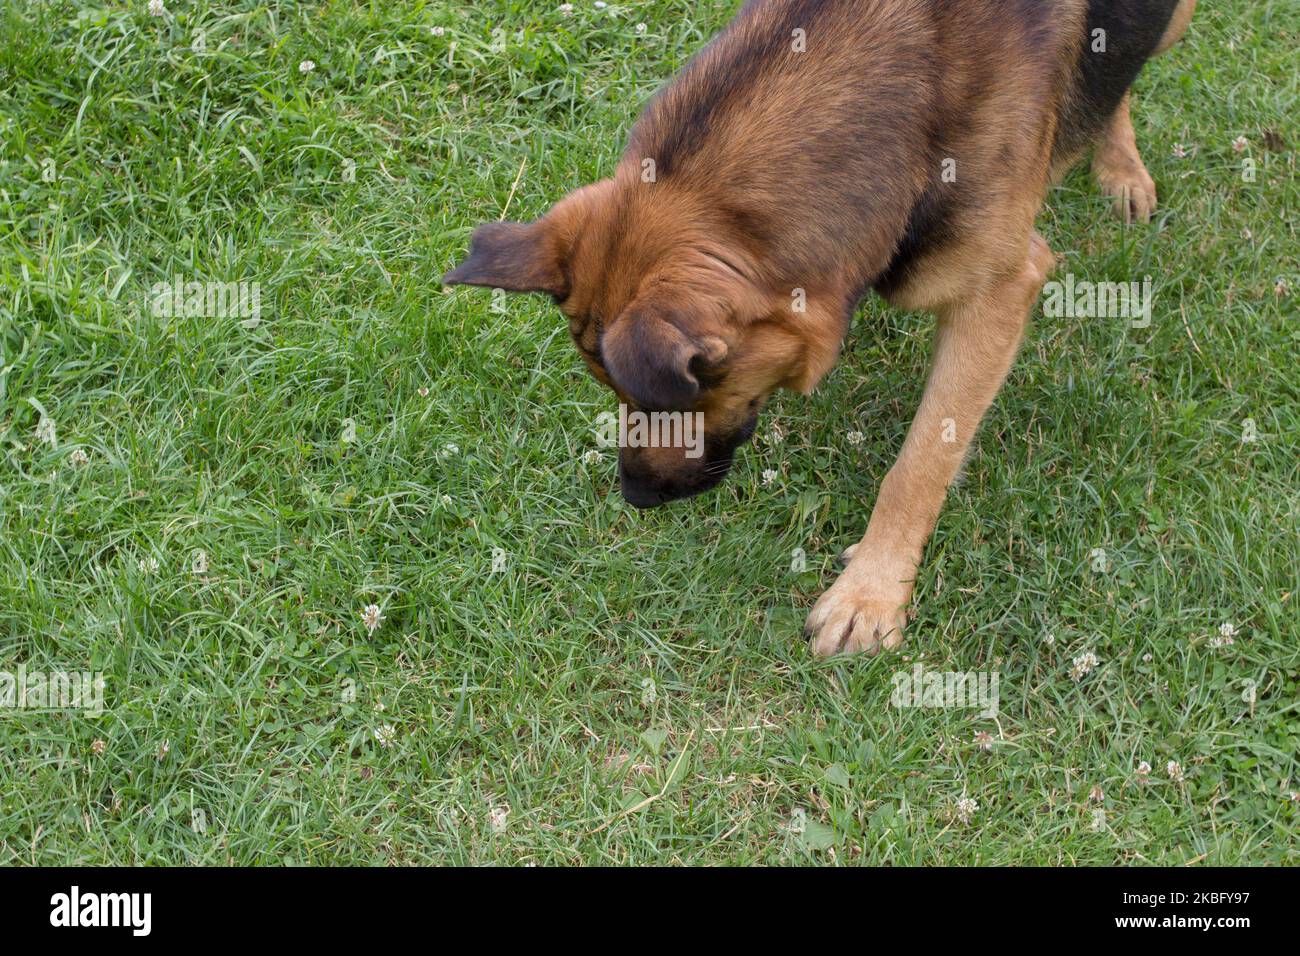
(975, 344)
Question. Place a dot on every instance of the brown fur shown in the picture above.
(799, 161)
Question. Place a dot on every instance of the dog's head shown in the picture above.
(670, 305)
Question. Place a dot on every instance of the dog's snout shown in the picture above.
(643, 487)
(644, 498)
(640, 491)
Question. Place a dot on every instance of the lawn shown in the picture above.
(202, 507)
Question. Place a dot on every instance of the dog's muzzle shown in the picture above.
(644, 489)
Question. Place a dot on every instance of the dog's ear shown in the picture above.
(515, 256)
(657, 364)
(532, 256)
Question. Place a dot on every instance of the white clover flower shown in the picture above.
(77, 458)
(45, 431)
(371, 617)
(438, 31)
(1280, 289)
(422, 392)
(445, 500)
(499, 816)
(600, 4)
(148, 565)
(1225, 636)
(641, 28)
(1144, 770)
(1098, 823)
(592, 457)
(984, 741)
(769, 476)
(1175, 771)
(966, 809)
(1096, 794)
(385, 735)
(306, 66)
(156, 8)
(1239, 144)
(1180, 151)
(856, 438)
(566, 9)
(451, 449)
(1083, 665)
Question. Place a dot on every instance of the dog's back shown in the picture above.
(822, 129)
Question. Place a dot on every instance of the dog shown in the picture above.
(813, 151)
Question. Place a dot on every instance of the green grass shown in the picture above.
(529, 690)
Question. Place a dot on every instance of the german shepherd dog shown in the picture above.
(815, 150)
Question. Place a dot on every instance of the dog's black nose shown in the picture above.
(640, 498)
(639, 494)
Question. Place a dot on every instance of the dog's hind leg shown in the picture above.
(976, 342)
(1116, 163)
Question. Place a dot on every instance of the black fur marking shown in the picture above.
(928, 226)
(1133, 29)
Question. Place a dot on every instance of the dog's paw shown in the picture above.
(863, 610)
(1132, 189)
